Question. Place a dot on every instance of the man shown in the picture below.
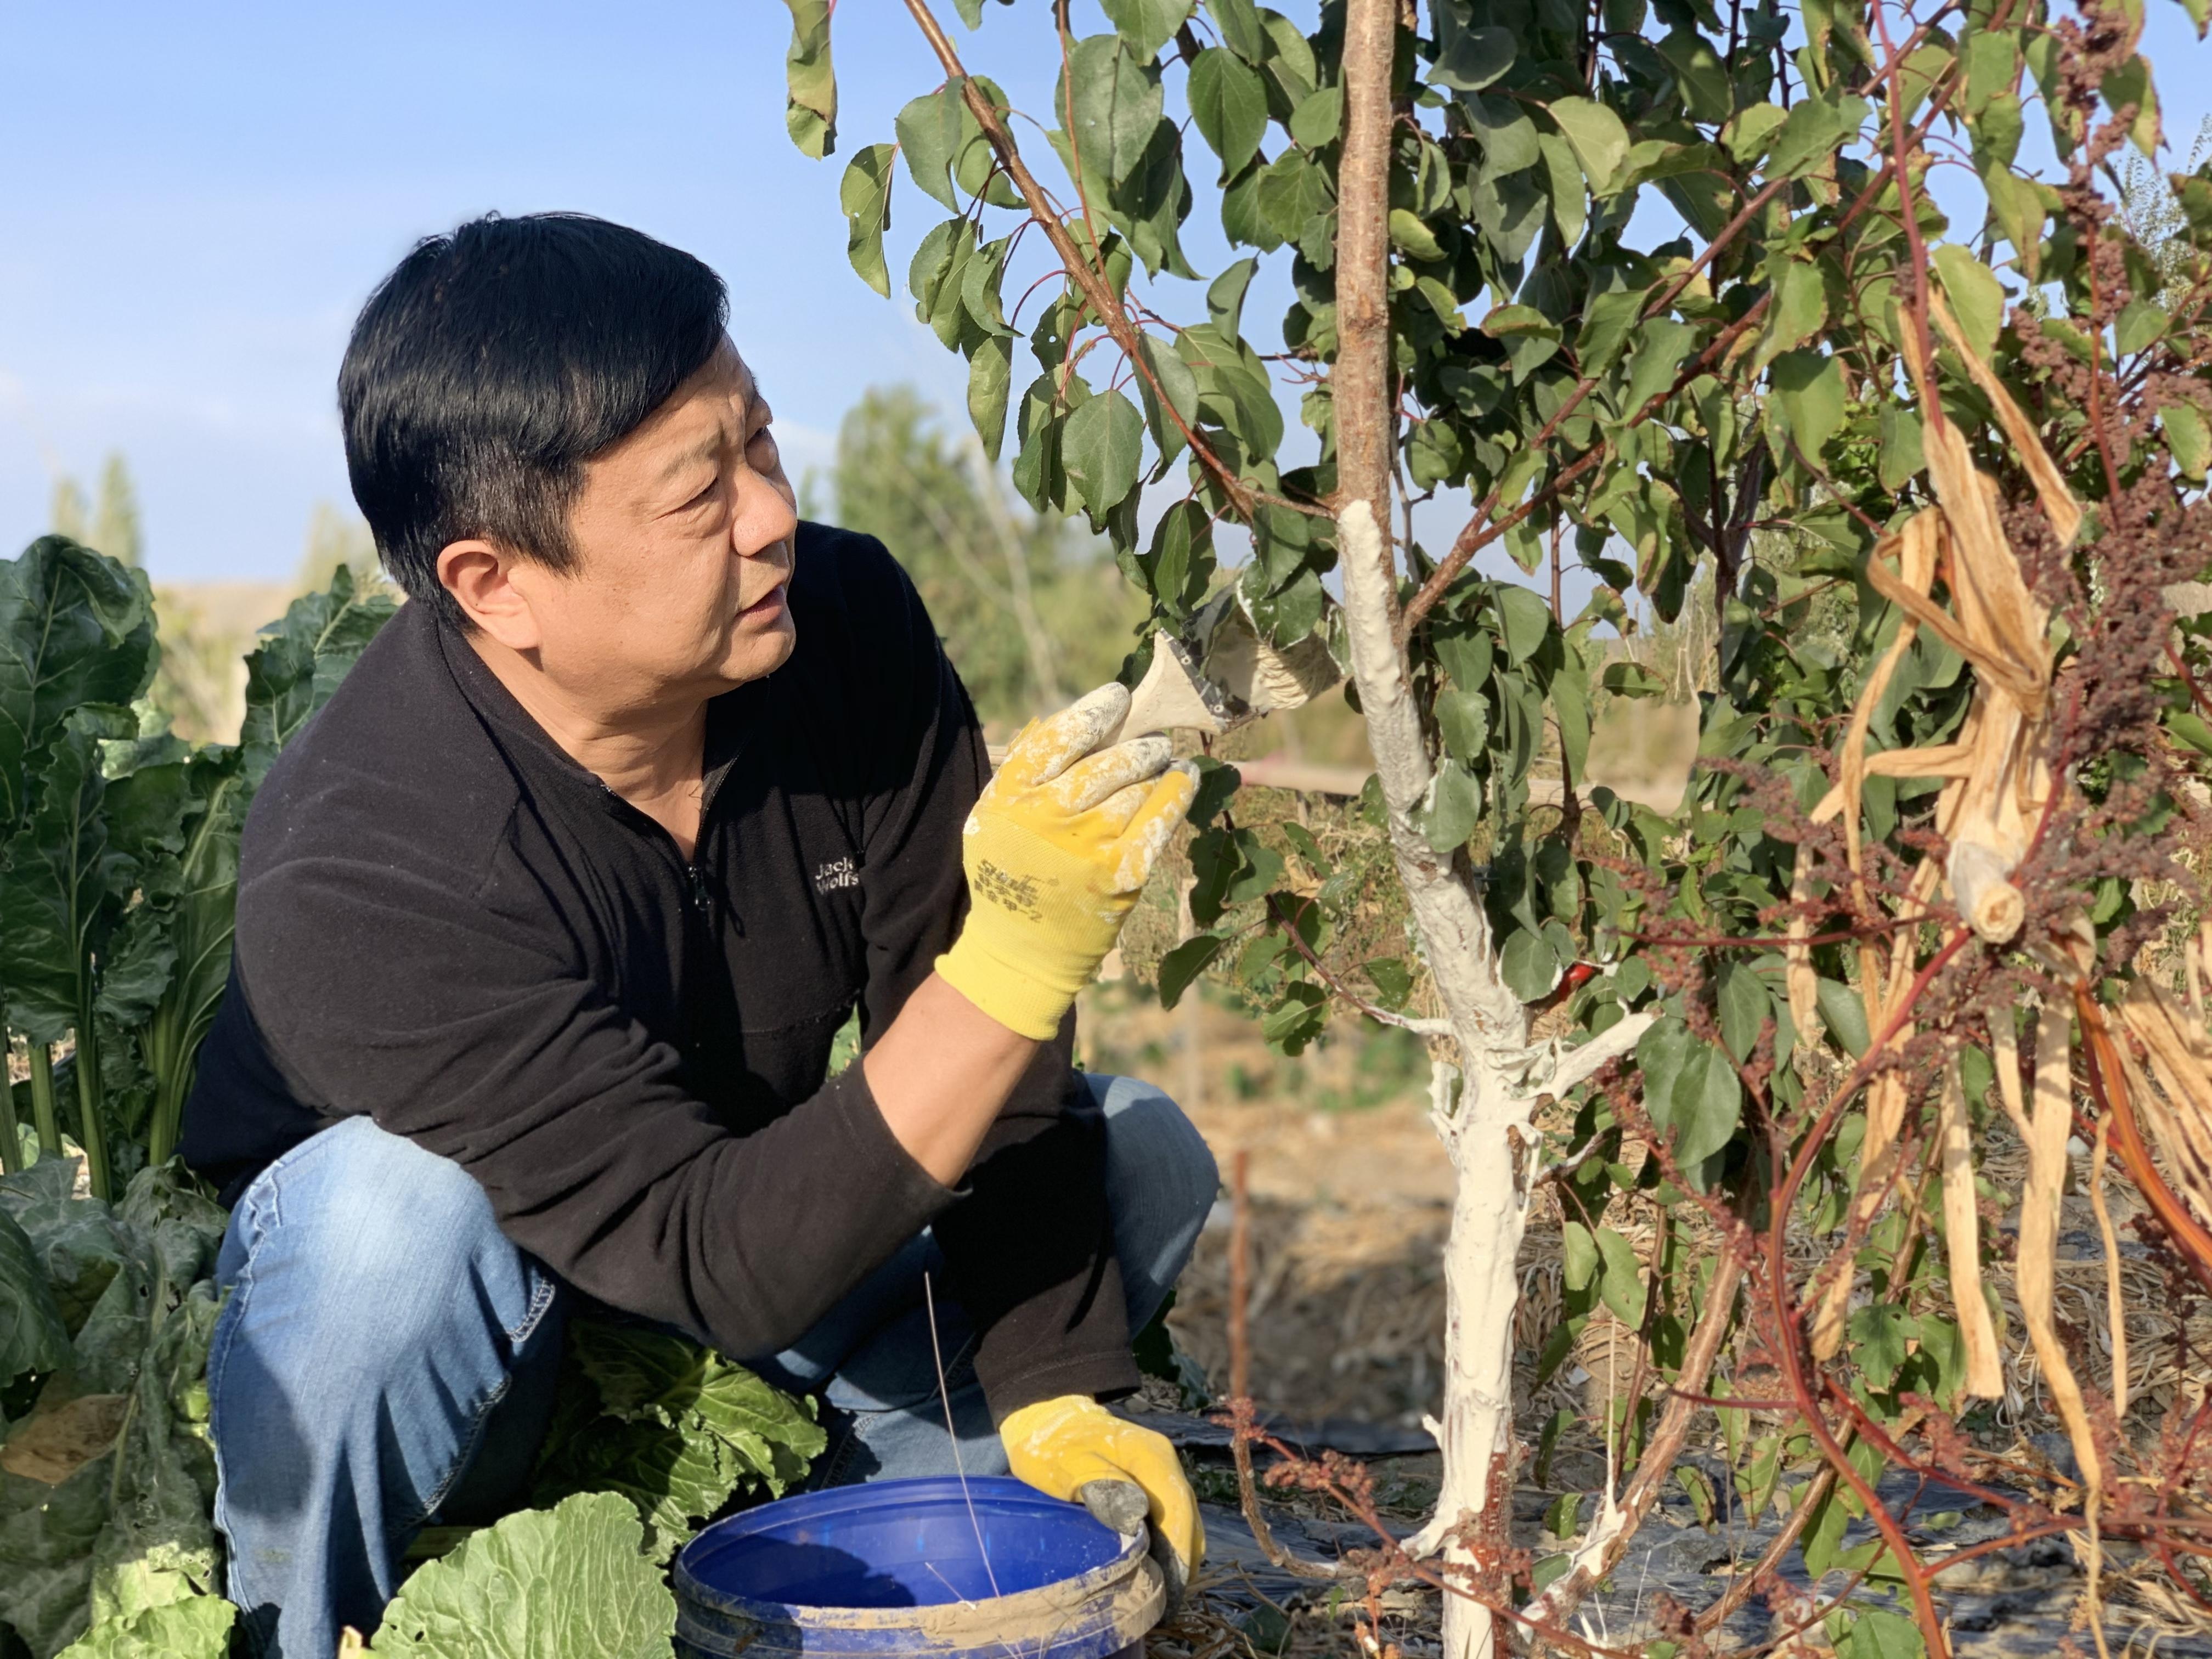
(546, 924)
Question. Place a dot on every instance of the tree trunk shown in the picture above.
(1488, 1024)
(1481, 1289)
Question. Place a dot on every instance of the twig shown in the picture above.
(1096, 291)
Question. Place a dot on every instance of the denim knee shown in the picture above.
(1161, 1184)
(373, 1302)
(366, 1231)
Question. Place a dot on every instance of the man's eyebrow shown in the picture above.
(705, 451)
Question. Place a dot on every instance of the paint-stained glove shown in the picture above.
(1125, 1475)
(1056, 851)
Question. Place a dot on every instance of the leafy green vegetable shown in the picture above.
(33, 1337)
(571, 1581)
(198, 1627)
(672, 1427)
(105, 1526)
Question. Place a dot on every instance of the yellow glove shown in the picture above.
(1074, 1447)
(1056, 852)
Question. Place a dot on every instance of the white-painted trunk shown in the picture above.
(1481, 1289)
(1490, 1028)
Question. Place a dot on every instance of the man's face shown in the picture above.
(684, 538)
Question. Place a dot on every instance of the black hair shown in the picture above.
(493, 363)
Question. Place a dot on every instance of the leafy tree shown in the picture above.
(113, 525)
(1031, 613)
(1663, 287)
(335, 537)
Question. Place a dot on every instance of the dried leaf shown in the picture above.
(1962, 1238)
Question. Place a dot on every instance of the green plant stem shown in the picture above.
(11, 1132)
(42, 1100)
(92, 1127)
(174, 1080)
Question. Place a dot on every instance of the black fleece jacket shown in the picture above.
(445, 923)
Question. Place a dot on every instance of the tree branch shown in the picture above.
(1096, 291)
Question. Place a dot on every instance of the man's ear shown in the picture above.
(481, 578)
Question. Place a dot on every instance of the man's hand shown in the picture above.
(1125, 1475)
(1056, 852)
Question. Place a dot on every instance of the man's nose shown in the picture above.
(764, 518)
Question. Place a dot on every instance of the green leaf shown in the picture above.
(1658, 360)
(864, 193)
(1529, 965)
(299, 663)
(1629, 679)
(1800, 307)
(1569, 206)
(1844, 1016)
(1463, 719)
(1807, 404)
(1224, 298)
(1744, 1004)
(1690, 1088)
(65, 889)
(2187, 436)
(198, 1627)
(1977, 299)
(1813, 130)
(1146, 25)
(75, 628)
(1874, 1634)
(1448, 811)
(1579, 1260)
(1185, 963)
(1393, 980)
(1700, 73)
(1242, 31)
(1117, 102)
(1524, 620)
(1297, 1020)
(1318, 119)
(1100, 449)
(1412, 238)
(2139, 326)
(192, 901)
(2017, 206)
(567, 1582)
(809, 113)
(1620, 1280)
(1508, 136)
(990, 380)
(675, 1428)
(1180, 384)
(1900, 458)
(1178, 570)
(1229, 104)
(1258, 870)
(1473, 57)
(1607, 320)
(1880, 1333)
(32, 1336)
(1600, 140)
(1747, 135)
(928, 129)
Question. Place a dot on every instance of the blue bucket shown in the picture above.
(893, 1568)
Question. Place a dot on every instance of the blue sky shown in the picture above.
(194, 201)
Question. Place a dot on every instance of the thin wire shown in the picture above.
(944, 1395)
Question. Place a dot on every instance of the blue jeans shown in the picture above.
(386, 1358)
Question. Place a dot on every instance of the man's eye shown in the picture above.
(705, 496)
(761, 449)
